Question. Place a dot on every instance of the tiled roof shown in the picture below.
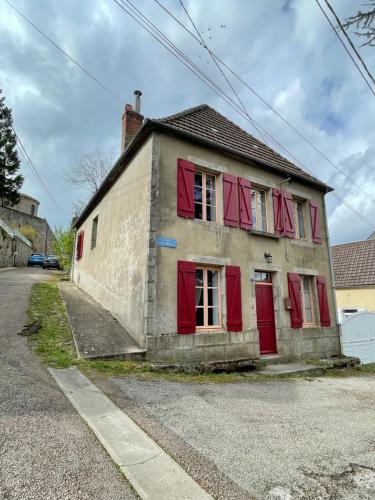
(205, 123)
(354, 264)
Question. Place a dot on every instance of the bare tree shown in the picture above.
(364, 23)
(90, 169)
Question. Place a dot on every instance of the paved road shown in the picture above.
(303, 439)
(46, 451)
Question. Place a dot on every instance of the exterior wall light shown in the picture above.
(268, 257)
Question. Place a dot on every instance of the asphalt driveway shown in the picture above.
(302, 439)
(46, 450)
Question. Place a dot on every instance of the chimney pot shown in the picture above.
(137, 104)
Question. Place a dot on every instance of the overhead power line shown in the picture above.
(161, 38)
(345, 47)
(219, 67)
(265, 102)
(60, 49)
(35, 170)
(343, 30)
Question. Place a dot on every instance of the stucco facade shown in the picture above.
(114, 272)
(356, 298)
(133, 275)
(215, 244)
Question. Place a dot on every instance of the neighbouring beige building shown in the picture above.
(207, 245)
(354, 270)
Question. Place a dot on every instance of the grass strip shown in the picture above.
(54, 345)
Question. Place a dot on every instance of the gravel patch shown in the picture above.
(297, 439)
(46, 450)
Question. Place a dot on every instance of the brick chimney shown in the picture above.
(131, 121)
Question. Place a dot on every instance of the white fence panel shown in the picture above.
(358, 336)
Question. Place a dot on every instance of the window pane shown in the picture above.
(213, 316)
(309, 318)
(212, 278)
(262, 211)
(306, 284)
(199, 277)
(258, 276)
(213, 296)
(210, 197)
(198, 178)
(199, 316)
(211, 213)
(199, 296)
(301, 223)
(198, 210)
(198, 194)
(253, 208)
(210, 182)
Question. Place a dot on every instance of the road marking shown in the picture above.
(151, 471)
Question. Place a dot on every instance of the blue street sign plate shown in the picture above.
(166, 242)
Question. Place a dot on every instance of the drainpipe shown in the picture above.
(331, 271)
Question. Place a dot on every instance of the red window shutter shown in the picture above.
(321, 285)
(185, 188)
(81, 247)
(315, 222)
(234, 302)
(277, 211)
(294, 286)
(186, 297)
(230, 195)
(288, 215)
(244, 193)
(79, 250)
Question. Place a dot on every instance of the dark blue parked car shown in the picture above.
(35, 259)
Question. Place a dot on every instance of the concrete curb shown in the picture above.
(151, 471)
(3, 269)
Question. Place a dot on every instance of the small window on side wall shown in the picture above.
(94, 232)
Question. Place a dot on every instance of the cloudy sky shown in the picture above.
(284, 49)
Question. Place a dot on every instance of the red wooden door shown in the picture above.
(265, 317)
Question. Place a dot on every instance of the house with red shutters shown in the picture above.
(207, 245)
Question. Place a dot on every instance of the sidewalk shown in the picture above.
(96, 332)
(150, 470)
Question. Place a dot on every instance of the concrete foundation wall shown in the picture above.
(115, 271)
(216, 244)
(43, 233)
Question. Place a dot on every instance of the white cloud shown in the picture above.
(284, 49)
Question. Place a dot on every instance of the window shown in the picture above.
(94, 232)
(299, 219)
(32, 210)
(207, 298)
(307, 300)
(204, 196)
(259, 209)
(262, 277)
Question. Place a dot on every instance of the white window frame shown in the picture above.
(312, 300)
(257, 208)
(204, 195)
(206, 327)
